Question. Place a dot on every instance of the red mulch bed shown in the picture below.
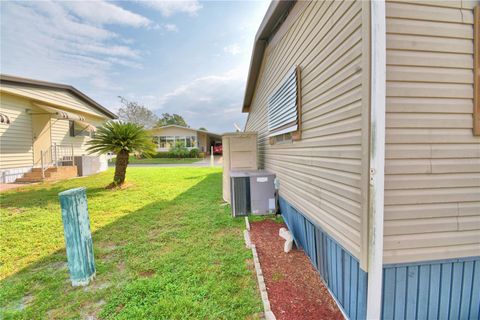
(294, 287)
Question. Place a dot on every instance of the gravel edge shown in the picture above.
(258, 269)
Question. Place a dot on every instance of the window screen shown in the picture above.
(79, 130)
(284, 105)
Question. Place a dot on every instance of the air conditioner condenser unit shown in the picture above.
(252, 192)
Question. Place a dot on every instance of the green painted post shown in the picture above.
(78, 238)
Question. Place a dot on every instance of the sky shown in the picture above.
(185, 57)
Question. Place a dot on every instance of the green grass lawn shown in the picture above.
(161, 160)
(165, 248)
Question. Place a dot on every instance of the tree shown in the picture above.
(203, 128)
(122, 139)
(134, 112)
(168, 119)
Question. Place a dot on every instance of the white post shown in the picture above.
(41, 163)
(211, 157)
(377, 158)
(72, 156)
(56, 156)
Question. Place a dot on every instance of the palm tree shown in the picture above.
(122, 139)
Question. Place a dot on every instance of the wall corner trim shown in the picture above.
(376, 157)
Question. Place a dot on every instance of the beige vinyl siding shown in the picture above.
(16, 138)
(61, 135)
(200, 137)
(202, 142)
(322, 174)
(55, 97)
(432, 182)
(173, 131)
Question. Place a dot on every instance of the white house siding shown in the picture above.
(202, 142)
(432, 182)
(15, 139)
(322, 174)
(54, 97)
(61, 135)
(175, 131)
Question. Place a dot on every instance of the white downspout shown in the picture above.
(377, 158)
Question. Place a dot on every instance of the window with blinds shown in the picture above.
(284, 107)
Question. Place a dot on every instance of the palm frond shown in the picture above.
(120, 136)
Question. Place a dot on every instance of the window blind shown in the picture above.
(283, 105)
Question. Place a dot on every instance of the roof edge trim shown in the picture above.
(270, 22)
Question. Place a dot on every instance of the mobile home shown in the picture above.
(165, 138)
(368, 112)
(43, 127)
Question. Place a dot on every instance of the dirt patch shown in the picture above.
(20, 304)
(90, 311)
(96, 285)
(109, 246)
(294, 287)
(11, 186)
(58, 266)
(147, 273)
(121, 266)
(113, 186)
(11, 211)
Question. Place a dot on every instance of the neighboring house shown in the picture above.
(369, 114)
(43, 126)
(165, 137)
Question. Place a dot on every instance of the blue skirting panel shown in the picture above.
(338, 268)
(448, 289)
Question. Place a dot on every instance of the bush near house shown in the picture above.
(177, 155)
(179, 152)
(139, 160)
(193, 153)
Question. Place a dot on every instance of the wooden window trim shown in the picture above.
(476, 70)
(297, 135)
(285, 126)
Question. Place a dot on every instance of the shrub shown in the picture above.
(179, 151)
(201, 155)
(194, 153)
(162, 154)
